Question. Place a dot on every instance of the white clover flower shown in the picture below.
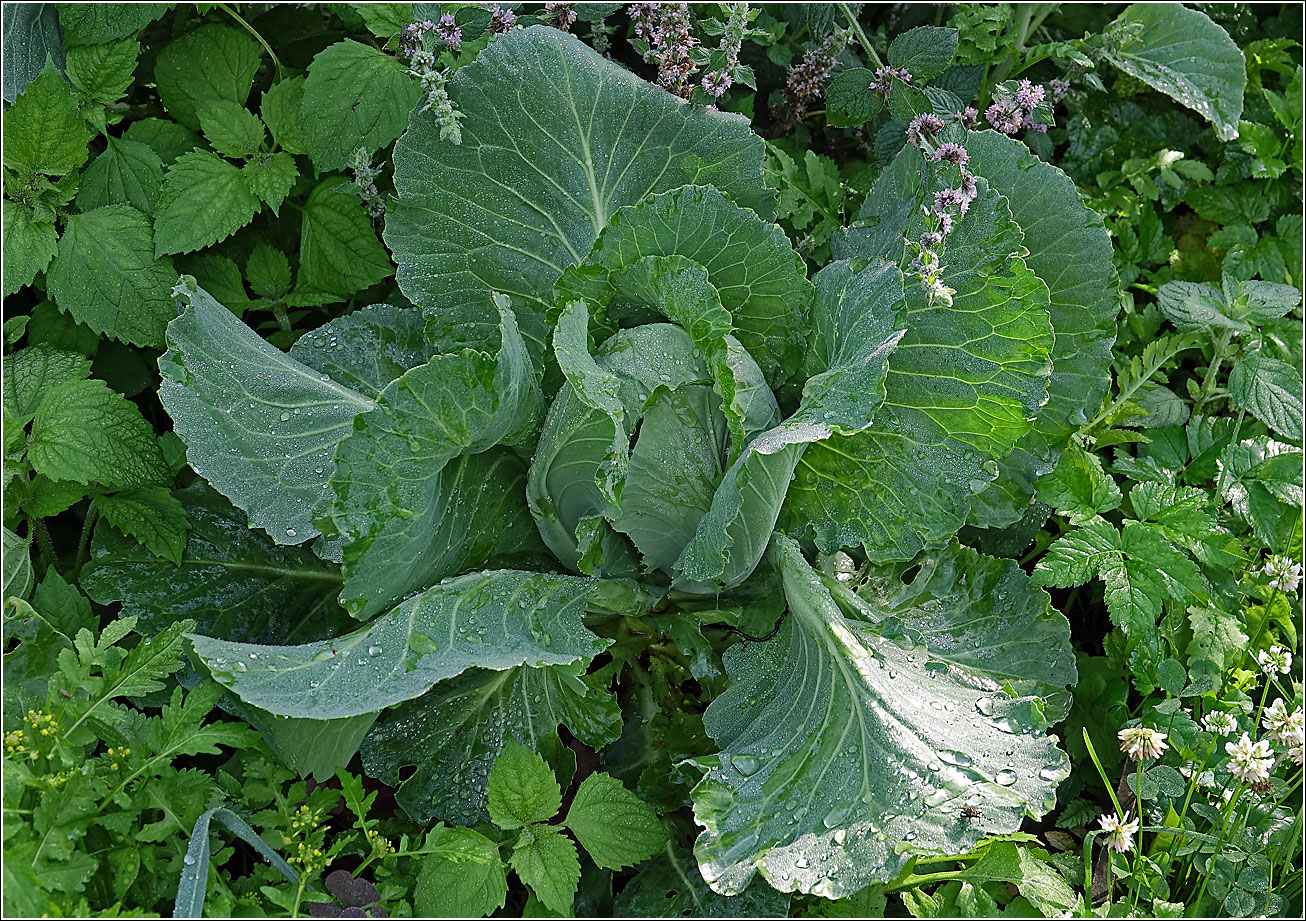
(1284, 726)
(1219, 722)
(1249, 761)
(1142, 743)
(1275, 659)
(1284, 573)
(1119, 832)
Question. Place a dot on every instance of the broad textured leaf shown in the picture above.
(31, 373)
(18, 575)
(545, 859)
(1271, 390)
(104, 72)
(281, 108)
(1185, 55)
(850, 99)
(759, 278)
(616, 828)
(1068, 249)
(925, 52)
(853, 738)
(672, 887)
(258, 424)
(1079, 487)
(453, 734)
(555, 138)
(461, 875)
(364, 350)
(962, 385)
(85, 432)
(232, 581)
(31, 34)
(232, 130)
(1190, 305)
(152, 515)
(355, 96)
(396, 504)
(338, 249)
(29, 245)
(268, 271)
(522, 788)
(44, 132)
(126, 172)
(496, 619)
(95, 23)
(204, 200)
(108, 277)
(215, 61)
(166, 138)
(316, 748)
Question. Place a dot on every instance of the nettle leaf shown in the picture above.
(1195, 306)
(496, 619)
(616, 828)
(214, 61)
(271, 177)
(108, 277)
(522, 788)
(30, 242)
(461, 874)
(396, 504)
(261, 425)
(126, 172)
(1271, 390)
(608, 139)
(852, 740)
(166, 138)
(925, 52)
(1185, 55)
(355, 96)
(204, 199)
(44, 131)
(1079, 487)
(31, 373)
(281, 108)
(672, 887)
(962, 385)
(95, 23)
(453, 734)
(104, 72)
(850, 99)
(85, 432)
(338, 249)
(1068, 249)
(152, 515)
(546, 860)
(233, 130)
(232, 581)
(268, 273)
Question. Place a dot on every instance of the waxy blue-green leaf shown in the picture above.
(95, 23)
(495, 619)
(1068, 249)
(453, 734)
(396, 504)
(760, 280)
(31, 34)
(555, 139)
(670, 886)
(855, 318)
(233, 581)
(853, 739)
(262, 425)
(962, 386)
(1185, 55)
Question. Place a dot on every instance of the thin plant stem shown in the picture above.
(276, 62)
(1212, 370)
(861, 36)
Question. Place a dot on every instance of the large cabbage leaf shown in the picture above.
(855, 737)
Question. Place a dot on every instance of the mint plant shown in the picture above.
(652, 459)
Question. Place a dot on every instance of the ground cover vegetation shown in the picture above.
(652, 459)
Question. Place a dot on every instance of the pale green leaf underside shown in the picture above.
(555, 138)
(259, 425)
(453, 734)
(496, 620)
(855, 736)
(962, 385)
(671, 887)
(1185, 55)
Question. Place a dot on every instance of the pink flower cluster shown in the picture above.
(560, 15)
(501, 20)
(716, 82)
(949, 205)
(668, 29)
(884, 78)
(805, 82)
(1014, 114)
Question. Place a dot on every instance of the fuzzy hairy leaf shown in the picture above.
(215, 61)
(85, 432)
(461, 875)
(44, 132)
(204, 200)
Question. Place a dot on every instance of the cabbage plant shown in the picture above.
(612, 409)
